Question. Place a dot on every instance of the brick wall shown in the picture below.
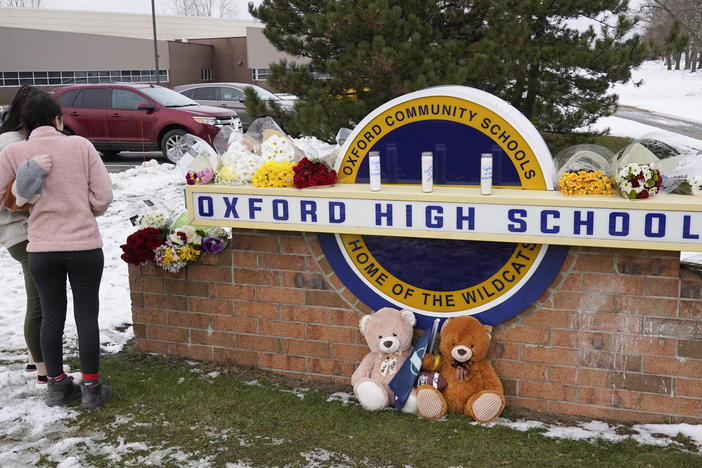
(617, 336)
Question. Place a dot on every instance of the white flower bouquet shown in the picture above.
(638, 181)
(677, 160)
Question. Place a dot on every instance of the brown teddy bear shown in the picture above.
(388, 333)
(473, 387)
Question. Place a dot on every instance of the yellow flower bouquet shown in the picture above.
(274, 174)
(585, 183)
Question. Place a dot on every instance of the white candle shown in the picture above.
(427, 171)
(374, 170)
(486, 173)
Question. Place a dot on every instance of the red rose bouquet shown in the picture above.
(140, 245)
(309, 174)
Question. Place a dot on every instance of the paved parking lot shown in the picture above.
(128, 159)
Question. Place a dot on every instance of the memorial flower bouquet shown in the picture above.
(215, 240)
(585, 183)
(677, 160)
(278, 148)
(204, 176)
(171, 245)
(234, 157)
(312, 174)
(140, 245)
(638, 181)
(584, 170)
(274, 174)
(239, 165)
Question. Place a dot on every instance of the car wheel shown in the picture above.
(172, 145)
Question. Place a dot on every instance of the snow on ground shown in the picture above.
(677, 93)
(29, 429)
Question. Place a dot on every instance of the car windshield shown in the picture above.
(263, 94)
(167, 97)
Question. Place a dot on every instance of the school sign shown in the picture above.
(451, 251)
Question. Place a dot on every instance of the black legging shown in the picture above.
(84, 270)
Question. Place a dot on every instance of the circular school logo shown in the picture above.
(438, 277)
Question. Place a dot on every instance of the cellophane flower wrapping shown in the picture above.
(584, 170)
(200, 162)
(695, 185)
(638, 181)
(234, 157)
(677, 158)
(312, 174)
(239, 165)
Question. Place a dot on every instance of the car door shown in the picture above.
(233, 98)
(126, 122)
(88, 115)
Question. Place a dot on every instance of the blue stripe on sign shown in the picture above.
(539, 281)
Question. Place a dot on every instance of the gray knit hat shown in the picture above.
(29, 179)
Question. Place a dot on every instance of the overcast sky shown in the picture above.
(126, 6)
(144, 6)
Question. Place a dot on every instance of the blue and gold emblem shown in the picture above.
(443, 277)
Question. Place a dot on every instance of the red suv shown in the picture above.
(136, 117)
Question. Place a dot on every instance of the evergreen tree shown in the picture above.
(525, 51)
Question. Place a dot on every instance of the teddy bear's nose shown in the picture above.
(387, 343)
(461, 352)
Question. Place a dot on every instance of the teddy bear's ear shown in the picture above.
(488, 329)
(444, 325)
(409, 316)
(364, 323)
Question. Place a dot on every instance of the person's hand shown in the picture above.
(44, 161)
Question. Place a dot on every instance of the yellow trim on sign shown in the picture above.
(512, 238)
(471, 195)
(451, 109)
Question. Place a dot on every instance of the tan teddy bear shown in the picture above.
(473, 387)
(388, 333)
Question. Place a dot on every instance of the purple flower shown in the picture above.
(213, 244)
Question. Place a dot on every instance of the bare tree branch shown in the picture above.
(205, 8)
(20, 3)
(683, 13)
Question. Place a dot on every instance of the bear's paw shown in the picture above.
(372, 396)
(487, 407)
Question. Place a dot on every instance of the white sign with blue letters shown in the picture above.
(443, 219)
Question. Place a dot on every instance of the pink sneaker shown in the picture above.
(41, 382)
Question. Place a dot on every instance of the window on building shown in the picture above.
(260, 74)
(11, 79)
(48, 78)
(206, 74)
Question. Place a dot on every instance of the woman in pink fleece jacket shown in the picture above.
(64, 240)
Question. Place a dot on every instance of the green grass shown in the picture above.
(227, 420)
